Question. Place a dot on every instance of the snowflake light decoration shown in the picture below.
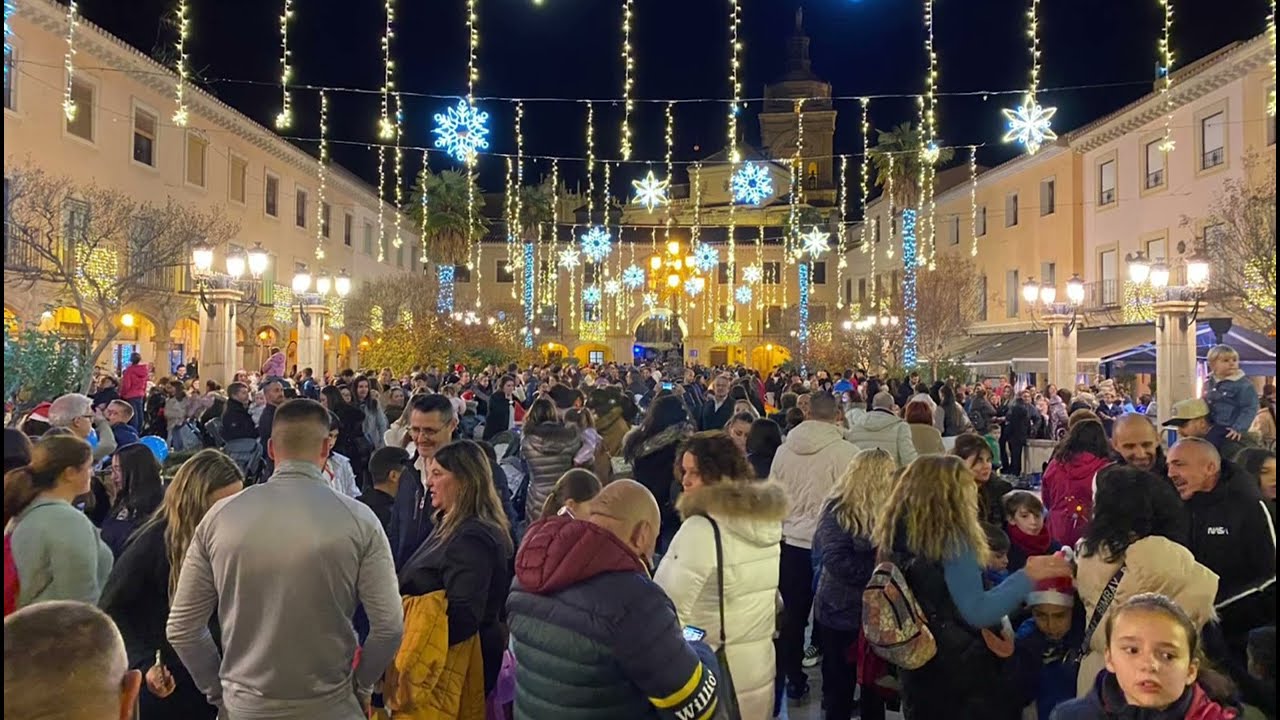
(751, 184)
(650, 300)
(752, 274)
(597, 243)
(569, 259)
(650, 191)
(1029, 124)
(815, 241)
(591, 295)
(612, 287)
(705, 257)
(693, 287)
(460, 131)
(633, 277)
(743, 294)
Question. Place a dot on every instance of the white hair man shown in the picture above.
(75, 412)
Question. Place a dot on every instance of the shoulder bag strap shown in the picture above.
(1104, 602)
(715, 530)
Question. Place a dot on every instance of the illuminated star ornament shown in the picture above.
(705, 257)
(751, 184)
(752, 274)
(612, 287)
(633, 277)
(569, 259)
(742, 294)
(1029, 124)
(460, 131)
(650, 300)
(650, 191)
(693, 287)
(591, 295)
(597, 243)
(815, 241)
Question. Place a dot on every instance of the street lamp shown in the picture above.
(1139, 267)
(255, 261)
(323, 285)
(1045, 296)
(1158, 275)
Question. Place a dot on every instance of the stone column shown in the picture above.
(218, 354)
(1175, 355)
(312, 321)
(1062, 351)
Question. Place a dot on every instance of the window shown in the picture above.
(413, 258)
(1155, 165)
(980, 222)
(953, 230)
(10, 100)
(1011, 209)
(1109, 271)
(400, 256)
(239, 168)
(848, 290)
(461, 274)
(1047, 196)
(367, 244)
(1213, 140)
(819, 272)
(772, 273)
(875, 225)
(325, 213)
(1012, 293)
(197, 150)
(347, 228)
(862, 291)
(982, 298)
(1271, 118)
(1107, 182)
(1156, 249)
(590, 271)
(722, 274)
(271, 191)
(773, 318)
(300, 208)
(595, 357)
(505, 273)
(1049, 274)
(144, 137)
(82, 95)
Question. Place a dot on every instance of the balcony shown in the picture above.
(1155, 178)
(1107, 196)
(1212, 158)
(22, 256)
(1102, 295)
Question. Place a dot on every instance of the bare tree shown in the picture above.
(99, 250)
(1240, 240)
(385, 300)
(948, 301)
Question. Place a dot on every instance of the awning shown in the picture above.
(1028, 352)
(1257, 351)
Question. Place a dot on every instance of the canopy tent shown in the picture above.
(1257, 351)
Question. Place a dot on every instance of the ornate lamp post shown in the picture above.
(217, 296)
(1061, 319)
(313, 313)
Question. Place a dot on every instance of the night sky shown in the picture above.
(570, 49)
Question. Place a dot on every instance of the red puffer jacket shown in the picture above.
(1067, 491)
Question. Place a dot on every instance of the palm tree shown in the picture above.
(904, 144)
(536, 203)
(444, 227)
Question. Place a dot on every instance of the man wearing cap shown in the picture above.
(1191, 419)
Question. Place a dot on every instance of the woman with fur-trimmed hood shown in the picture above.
(720, 492)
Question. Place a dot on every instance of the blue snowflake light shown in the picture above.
(693, 287)
(591, 295)
(597, 243)
(751, 184)
(460, 131)
(743, 294)
(612, 287)
(1029, 124)
(650, 300)
(705, 257)
(633, 277)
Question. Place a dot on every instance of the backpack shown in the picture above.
(893, 623)
(10, 577)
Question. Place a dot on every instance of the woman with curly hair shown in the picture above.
(929, 529)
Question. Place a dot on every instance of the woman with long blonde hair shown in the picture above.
(929, 529)
(141, 585)
(843, 540)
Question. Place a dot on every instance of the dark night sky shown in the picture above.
(570, 49)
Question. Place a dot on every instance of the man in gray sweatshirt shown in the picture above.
(285, 564)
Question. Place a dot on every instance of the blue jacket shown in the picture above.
(1042, 673)
(125, 434)
(1233, 403)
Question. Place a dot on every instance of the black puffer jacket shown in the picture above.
(548, 450)
(653, 464)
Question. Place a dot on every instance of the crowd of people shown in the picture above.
(631, 542)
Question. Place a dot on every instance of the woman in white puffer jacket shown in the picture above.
(718, 484)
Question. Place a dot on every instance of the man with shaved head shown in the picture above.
(593, 635)
(65, 660)
(1232, 534)
(1136, 441)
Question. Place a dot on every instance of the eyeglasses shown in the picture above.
(418, 431)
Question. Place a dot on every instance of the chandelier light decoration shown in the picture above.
(1030, 124)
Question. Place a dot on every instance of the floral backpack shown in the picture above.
(893, 622)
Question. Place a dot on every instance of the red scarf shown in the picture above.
(1031, 544)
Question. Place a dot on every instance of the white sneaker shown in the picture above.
(812, 656)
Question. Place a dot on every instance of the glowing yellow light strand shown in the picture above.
(760, 264)
(473, 42)
(670, 137)
(386, 127)
(422, 199)
(864, 171)
(735, 85)
(1164, 50)
(515, 251)
(68, 60)
(398, 157)
(591, 163)
(285, 117)
(508, 215)
(1271, 38)
(628, 78)
(841, 262)
(922, 181)
(888, 193)
(553, 276)
(180, 89)
(929, 149)
(973, 201)
(382, 188)
(322, 172)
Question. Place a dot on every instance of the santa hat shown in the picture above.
(1054, 591)
(40, 413)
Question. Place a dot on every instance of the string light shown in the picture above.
(1164, 50)
(929, 151)
(802, 330)
(552, 296)
(1271, 37)
(382, 216)
(796, 189)
(842, 262)
(68, 60)
(864, 172)
(285, 117)
(473, 42)
(755, 273)
(735, 86)
(517, 211)
(322, 172)
(973, 201)
(669, 136)
(180, 90)
(444, 297)
(386, 129)
(909, 350)
(1029, 123)
(627, 78)
(888, 192)
(398, 171)
(422, 199)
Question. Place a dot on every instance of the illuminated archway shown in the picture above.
(184, 344)
(765, 358)
(344, 351)
(662, 314)
(593, 352)
(137, 333)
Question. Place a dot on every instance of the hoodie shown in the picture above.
(1067, 492)
(811, 459)
(594, 636)
(884, 430)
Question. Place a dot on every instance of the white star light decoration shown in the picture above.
(1029, 124)
(633, 277)
(650, 300)
(591, 295)
(752, 274)
(705, 257)
(692, 287)
(650, 191)
(569, 259)
(597, 243)
(460, 131)
(612, 287)
(751, 184)
(814, 241)
(742, 294)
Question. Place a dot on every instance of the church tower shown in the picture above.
(778, 120)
